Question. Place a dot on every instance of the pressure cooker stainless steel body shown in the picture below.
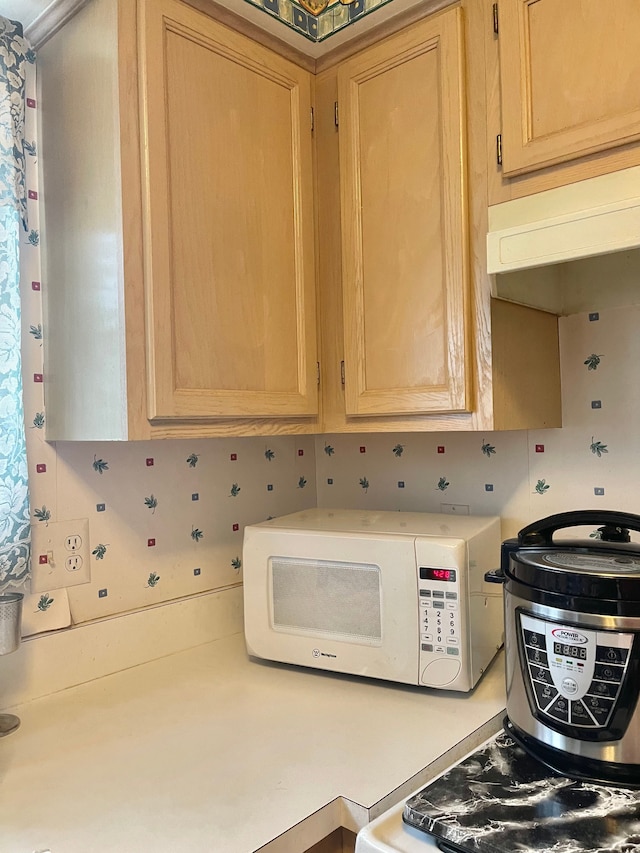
(572, 641)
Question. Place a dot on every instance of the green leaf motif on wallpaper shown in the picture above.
(30, 148)
(153, 579)
(151, 503)
(45, 602)
(34, 238)
(38, 420)
(302, 483)
(398, 450)
(235, 491)
(236, 564)
(99, 551)
(542, 487)
(364, 483)
(598, 448)
(43, 514)
(192, 460)
(329, 450)
(592, 361)
(36, 331)
(196, 534)
(269, 454)
(488, 449)
(443, 484)
(100, 465)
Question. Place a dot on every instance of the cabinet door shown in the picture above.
(404, 223)
(229, 255)
(569, 72)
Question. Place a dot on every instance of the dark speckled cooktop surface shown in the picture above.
(500, 800)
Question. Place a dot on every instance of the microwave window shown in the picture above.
(437, 574)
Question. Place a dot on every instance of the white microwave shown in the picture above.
(392, 595)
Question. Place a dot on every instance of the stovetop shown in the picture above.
(501, 800)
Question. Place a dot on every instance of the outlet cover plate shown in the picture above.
(60, 554)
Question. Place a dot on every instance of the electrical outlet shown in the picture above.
(60, 554)
(455, 509)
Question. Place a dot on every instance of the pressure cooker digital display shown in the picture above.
(575, 674)
(570, 651)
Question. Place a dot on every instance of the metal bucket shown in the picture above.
(10, 621)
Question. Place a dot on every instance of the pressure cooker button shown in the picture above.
(611, 654)
(532, 638)
(580, 716)
(539, 673)
(600, 708)
(606, 672)
(603, 688)
(544, 694)
(537, 656)
(570, 685)
(559, 709)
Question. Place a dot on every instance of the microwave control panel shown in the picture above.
(440, 616)
(575, 674)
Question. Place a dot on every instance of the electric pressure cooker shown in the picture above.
(572, 644)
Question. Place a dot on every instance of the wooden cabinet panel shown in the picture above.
(404, 223)
(569, 73)
(229, 271)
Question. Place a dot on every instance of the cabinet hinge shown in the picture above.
(496, 27)
(318, 372)
(313, 120)
(335, 114)
(342, 372)
(499, 149)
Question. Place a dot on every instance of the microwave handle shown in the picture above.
(615, 526)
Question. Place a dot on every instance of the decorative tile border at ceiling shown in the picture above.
(318, 19)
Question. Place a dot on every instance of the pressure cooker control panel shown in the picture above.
(576, 674)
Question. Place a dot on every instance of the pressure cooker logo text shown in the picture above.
(566, 635)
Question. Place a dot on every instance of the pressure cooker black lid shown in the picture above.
(577, 573)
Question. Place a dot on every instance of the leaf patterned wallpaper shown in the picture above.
(166, 518)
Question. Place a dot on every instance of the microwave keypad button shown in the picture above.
(599, 708)
(559, 709)
(439, 604)
(603, 688)
(440, 649)
(438, 593)
(428, 638)
(451, 595)
(608, 672)
(538, 657)
(531, 638)
(611, 654)
(426, 593)
(545, 694)
(427, 647)
(452, 641)
(453, 651)
(451, 605)
(580, 716)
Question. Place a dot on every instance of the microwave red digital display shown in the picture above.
(437, 574)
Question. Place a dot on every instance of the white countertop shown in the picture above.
(208, 750)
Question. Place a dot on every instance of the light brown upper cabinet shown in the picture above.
(411, 338)
(180, 228)
(405, 271)
(228, 213)
(569, 72)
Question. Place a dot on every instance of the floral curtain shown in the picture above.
(15, 53)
